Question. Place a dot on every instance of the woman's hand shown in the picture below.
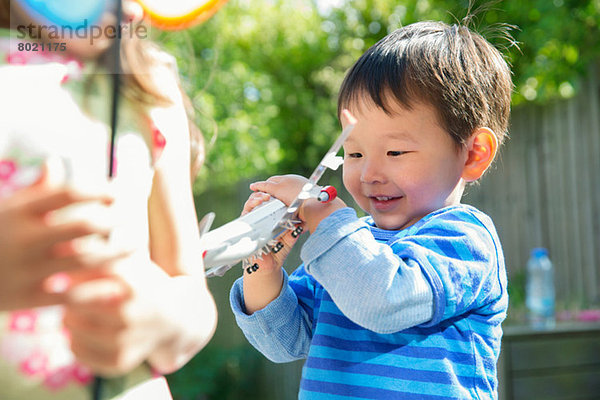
(135, 313)
(35, 246)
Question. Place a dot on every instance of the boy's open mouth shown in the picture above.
(384, 202)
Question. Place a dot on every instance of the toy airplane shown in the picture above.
(256, 233)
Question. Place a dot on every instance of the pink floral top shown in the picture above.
(35, 360)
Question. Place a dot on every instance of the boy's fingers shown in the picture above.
(291, 237)
(274, 180)
(255, 186)
(262, 186)
(285, 244)
(255, 200)
(248, 206)
(261, 197)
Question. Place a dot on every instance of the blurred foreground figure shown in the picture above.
(98, 276)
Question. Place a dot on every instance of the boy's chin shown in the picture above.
(394, 223)
(390, 224)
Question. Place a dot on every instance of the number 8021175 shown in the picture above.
(27, 46)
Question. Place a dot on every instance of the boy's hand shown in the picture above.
(273, 261)
(287, 187)
(263, 280)
(263, 284)
(282, 187)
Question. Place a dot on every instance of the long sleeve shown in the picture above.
(443, 266)
(370, 284)
(282, 330)
(460, 252)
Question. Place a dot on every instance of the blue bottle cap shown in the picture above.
(538, 252)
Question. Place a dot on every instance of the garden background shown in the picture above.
(263, 77)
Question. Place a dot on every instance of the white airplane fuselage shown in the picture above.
(243, 237)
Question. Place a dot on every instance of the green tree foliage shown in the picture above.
(264, 74)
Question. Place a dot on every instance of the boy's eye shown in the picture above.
(354, 155)
(395, 153)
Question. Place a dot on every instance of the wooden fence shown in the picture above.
(545, 191)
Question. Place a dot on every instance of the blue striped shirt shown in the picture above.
(410, 314)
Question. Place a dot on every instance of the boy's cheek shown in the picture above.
(351, 181)
(347, 173)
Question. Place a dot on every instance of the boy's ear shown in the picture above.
(481, 149)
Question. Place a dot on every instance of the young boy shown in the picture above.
(407, 302)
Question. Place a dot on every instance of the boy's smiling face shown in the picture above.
(399, 167)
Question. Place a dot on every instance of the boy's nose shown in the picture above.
(372, 172)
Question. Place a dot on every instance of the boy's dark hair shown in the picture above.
(455, 70)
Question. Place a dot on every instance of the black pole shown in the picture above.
(97, 387)
(115, 87)
(98, 383)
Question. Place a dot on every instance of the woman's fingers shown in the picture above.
(113, 325)
(54, 199)
(47, 236)
(100, 259)
(22, 296)
(107, 349)
(99, 299)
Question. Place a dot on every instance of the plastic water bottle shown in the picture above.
(540, 290)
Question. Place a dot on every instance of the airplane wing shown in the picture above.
(255, 233)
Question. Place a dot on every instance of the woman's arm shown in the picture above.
(189, 308)
(157, 309)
